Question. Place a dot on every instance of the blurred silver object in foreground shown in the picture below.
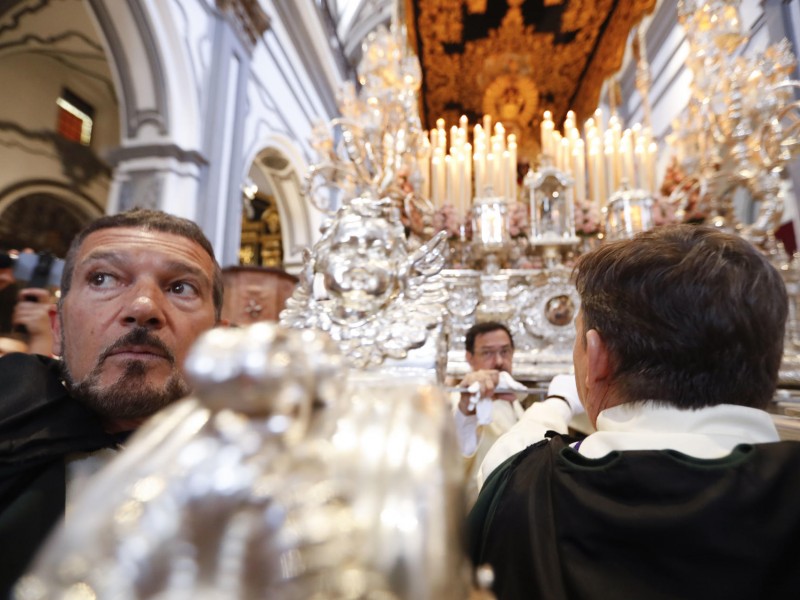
(282, 479)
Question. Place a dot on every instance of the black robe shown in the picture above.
(40, 425)
(554, 524)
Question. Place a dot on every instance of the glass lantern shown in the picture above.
(552, 211)
(628, 212)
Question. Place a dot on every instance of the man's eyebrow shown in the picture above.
(173, 266)
(101, 255)
(185, 267)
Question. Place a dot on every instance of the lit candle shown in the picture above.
(626, 150)
(448, 180)
(512, 166)
(651, 166)
(490, 167)
(546, 132)
(566, 156)
(424, 162)
(599, 122)
(640, 163)
(478, 166)
(467, 177)
(504, 182)
(487, 124)
(554, 146)
(435, 175)
(457, 176)
(594, 187)
(608, 163)
(579, 170)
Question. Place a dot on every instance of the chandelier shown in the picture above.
(741, 125)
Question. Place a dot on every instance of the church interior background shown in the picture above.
(480, 120)
(208, 108)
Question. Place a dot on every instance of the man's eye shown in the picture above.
(181, 288)
(101, 279)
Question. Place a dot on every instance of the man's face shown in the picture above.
(493, 350)
(137, 302)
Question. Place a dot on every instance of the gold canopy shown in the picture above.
(514, 59)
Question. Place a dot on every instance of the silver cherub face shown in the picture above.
(362, 266)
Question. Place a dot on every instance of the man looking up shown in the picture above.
(684, 490)
(137, 289)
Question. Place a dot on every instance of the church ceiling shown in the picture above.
(514, 59)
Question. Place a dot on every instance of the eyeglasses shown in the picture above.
(504, 353)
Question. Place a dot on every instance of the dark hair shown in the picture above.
(692, 316)
(480, 329)
(150, 220)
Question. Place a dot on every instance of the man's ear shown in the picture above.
(55, 327)
(470, 359)
(598, 368)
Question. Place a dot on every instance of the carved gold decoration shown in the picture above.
(513, 100)
(556, 54)
(249, 17)
(261, 243)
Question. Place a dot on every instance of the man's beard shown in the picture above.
(130, 397)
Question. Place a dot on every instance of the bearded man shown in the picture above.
(137, 290)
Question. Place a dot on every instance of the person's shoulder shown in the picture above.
(27, 381)
(22, 360)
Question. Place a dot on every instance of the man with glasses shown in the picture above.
(482, 415)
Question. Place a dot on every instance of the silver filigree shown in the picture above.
(548, 311)
(363, 286)
(286, 477)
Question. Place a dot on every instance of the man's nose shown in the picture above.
(146, 307)
(497, 359)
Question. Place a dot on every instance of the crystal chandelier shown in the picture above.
(741, 127)
(375, 148)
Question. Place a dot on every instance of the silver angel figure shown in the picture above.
(362, 285)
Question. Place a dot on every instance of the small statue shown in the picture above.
(362, 285)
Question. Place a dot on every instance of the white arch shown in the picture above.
(300, 221)
(77, 202)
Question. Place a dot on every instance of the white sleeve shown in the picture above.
(467, 432)
(541, 417)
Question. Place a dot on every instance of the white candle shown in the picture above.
(424, 162)
(566, 156)
(608, 164)
(579, 170)
(467, 177)
(490, 167)
(594, 188)
(478, 165)
(626, 150)
(448, 180)
(651, 166)
(512, 166)
(546, 132)
(436, 197)
(640, 163)
(503, 179)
